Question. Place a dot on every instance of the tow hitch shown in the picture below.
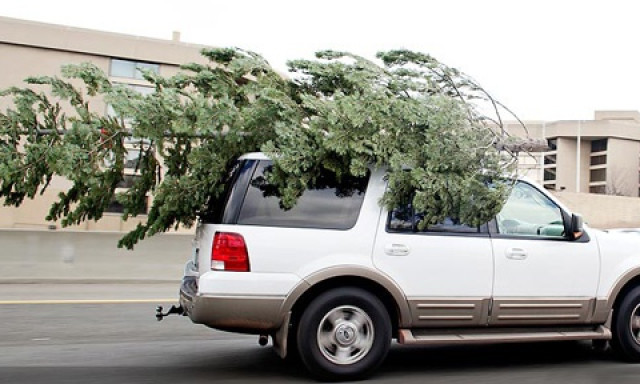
(173, 310)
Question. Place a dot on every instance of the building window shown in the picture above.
(549, 174)
(550, 159)
(553, 144)
(599, 160)
(128, 181)
(141, 89)
(116, 207)
(599, 145)
(133, 157)
(134, 148)
(131, 69)
(133, 145)
(144, 90)
(600, 189)
(598, 175)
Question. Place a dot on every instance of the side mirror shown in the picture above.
(576, 228)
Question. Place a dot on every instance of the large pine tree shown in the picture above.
(406, 112)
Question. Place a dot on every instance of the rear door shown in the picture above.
(446, 271)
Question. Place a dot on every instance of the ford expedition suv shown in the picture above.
(336, 278)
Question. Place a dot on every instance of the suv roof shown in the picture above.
(254, 156)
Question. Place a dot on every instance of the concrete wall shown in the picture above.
(54, 256)
(604, 211)
(31, 215)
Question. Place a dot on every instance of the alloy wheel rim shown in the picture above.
(345, 335)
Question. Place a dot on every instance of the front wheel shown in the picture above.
(344, 334)
(626, 327)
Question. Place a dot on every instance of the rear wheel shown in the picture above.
(626, 327)
(344, 334)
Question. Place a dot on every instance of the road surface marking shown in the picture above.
(107, 301)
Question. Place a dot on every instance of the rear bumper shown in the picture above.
(246, 314)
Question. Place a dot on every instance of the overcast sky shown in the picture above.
(546, 60)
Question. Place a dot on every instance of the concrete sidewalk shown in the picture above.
(37, 256)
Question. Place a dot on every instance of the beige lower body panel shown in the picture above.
(472, 312)
(449, 312)
(602, 311)
(541, 311)
(236, 313)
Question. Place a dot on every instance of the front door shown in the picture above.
(541, 275)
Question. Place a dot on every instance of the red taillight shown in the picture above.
(229, 253)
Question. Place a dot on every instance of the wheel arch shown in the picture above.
(630, 281)
(352, 276)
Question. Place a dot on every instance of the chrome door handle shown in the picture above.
(516, 254)
(396, 250)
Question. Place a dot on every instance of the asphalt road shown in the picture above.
(69, 342)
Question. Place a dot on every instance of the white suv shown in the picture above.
(337, 277)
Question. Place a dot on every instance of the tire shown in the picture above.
(626, 327)
(344, 334)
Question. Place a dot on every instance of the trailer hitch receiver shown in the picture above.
(173, 310)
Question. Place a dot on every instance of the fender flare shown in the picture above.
(404, 312)
(620, 284)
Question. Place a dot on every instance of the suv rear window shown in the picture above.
(328, 205)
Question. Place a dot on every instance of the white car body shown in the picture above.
(439, 287)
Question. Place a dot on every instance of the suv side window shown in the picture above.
(404, 219)
(328, 205)
(528, 212)
(224, 209)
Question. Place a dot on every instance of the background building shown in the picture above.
(36, 49)
(600, 156)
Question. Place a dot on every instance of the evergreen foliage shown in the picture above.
(411, 114)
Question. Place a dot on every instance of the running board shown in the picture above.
(407, 336)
